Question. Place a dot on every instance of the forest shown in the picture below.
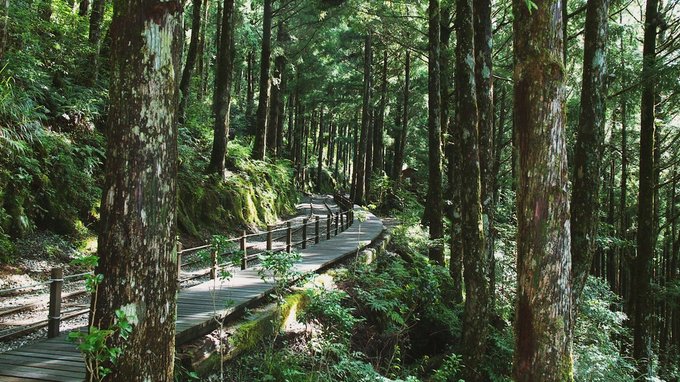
(524, 155)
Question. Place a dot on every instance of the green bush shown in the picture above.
(599, 335)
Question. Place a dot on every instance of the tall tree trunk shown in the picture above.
(319, 167)
(452, 151)
(96, 18)
(200, 63)
(185, 84)
(434, 190)
(83, 8)
(378, 144)
(360, 163)
(475, 273)
(585, 199)
(646, 235)
(621, 285)
(4, 21)
(403, 132)
(250, 93)
(222, 96)
(368, 171)
(260, 146)
(484, 81)
(137, 246)
(543, 332)
(276, 108)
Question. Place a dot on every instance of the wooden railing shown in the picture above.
(277, 238)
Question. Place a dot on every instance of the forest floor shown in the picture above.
(44, 250)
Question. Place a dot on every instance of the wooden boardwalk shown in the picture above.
(58, 360)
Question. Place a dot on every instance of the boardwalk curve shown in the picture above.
(57, 359)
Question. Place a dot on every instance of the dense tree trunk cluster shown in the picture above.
(467, 121)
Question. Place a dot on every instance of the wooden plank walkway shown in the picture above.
(57, 359)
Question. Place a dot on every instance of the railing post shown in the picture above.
(213, 264)
(289, 236)
(316, 230)
(269, 237)
(336, 225)
(54, 318)
(328, 227)
(179, 262)
(342, 222)
(304, 233)
(244, 252)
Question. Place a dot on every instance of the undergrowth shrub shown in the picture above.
(408, 311)
(599, 335)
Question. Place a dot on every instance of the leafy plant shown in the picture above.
(94, 345)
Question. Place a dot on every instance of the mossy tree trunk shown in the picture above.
(137, 246)
(484, 82)
(260, 146)
(378, 144)
(185, 83)
(475, 270)
(434, 190)
(276, 109)
(222, 95)
(94, 37)
(585, 198)
(452, 152)
(4, 19)
(544, 300)
(360, 163)
(646, 235)
(402, 134)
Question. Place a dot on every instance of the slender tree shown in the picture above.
(378, 144)
(185, 83)
(646, 235)
(222, 94)
(589, 143)
(543, 318)
(96, 19)
(484, 82)
(402, 134)
(4, 19)
(475, 270)
(260, 146)
(434, 194)
(138, 222)
(360, 163)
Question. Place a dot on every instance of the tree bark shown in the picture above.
(319, 167)
(96, 18)
(585, 200)
(83, 8)
(484, 82)
(403, 132)
(250, 93)
(276, 108)
(360, 164)
(137, 246)
(378, 144)
(646, 237)
(476, 270)
(222, 95)
(4, 21)
(185, 83)
(452, 151)
(200, 60)
(543, 334)
(260, 146)
(434, 190)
